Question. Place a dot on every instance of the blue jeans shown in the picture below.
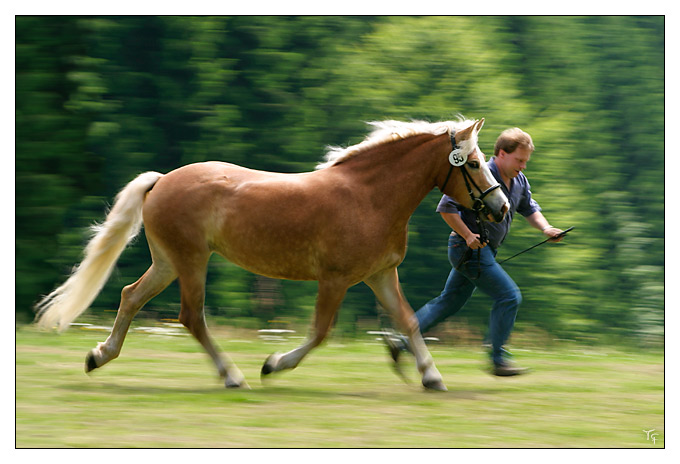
(461, 284)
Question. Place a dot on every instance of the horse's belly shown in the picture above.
(278, 244)
(271, 258)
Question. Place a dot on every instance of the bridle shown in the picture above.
(458, 159)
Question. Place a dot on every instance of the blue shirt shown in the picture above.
(520, 200)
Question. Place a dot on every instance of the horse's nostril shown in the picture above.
(500, 215)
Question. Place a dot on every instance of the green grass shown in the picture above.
(163, 392)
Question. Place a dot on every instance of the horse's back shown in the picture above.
(291, 226)
(262, 221)
(206, 173)
(184, 197)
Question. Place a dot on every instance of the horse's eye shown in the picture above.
(474, 164)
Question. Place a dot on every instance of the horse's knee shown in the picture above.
(186, 319)
(127, 297)
(189, 315)
(126, 292)
(182, 318)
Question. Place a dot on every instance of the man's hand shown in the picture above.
(474, 241)
(555, 234)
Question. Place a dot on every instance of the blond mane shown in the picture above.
(388, 131)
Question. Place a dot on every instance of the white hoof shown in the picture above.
(230, 382)
(432, 379)
(436, 385)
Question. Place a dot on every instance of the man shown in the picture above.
(473, 261)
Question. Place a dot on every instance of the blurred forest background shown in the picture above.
(101, 99)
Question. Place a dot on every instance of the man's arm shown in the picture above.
(538, 221)
(457, 224)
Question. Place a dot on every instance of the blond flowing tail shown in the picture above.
(123, 223)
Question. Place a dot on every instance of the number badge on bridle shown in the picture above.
(457, 158)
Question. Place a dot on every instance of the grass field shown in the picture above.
(163, 392)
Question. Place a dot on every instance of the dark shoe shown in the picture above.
(507, 369)
(396, 343)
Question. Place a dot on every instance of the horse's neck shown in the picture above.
(397, 176)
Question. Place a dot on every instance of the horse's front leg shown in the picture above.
(387, 289)
(330, 296)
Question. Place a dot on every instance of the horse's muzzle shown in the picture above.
(498, 216)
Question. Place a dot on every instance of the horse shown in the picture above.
(343, 223)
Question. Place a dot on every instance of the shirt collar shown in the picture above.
(494, 170)
(496, 173)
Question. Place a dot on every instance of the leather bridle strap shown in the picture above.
(446, 181)
(477, 202)
(478, 206)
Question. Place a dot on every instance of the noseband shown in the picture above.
(457, 159)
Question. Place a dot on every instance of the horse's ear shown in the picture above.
(465, 133)
(480, 123)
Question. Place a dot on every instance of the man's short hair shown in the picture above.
(510, 139)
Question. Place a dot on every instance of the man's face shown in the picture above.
(515, 162)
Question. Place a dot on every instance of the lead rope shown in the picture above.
(483, 238)
(478, 207)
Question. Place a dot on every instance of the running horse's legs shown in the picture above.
(192, 315)
(329, 298)
(133, 297)
(387, 289)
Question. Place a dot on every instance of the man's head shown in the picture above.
(512, 151)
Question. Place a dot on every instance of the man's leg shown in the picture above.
(453, 297)
(496, 283)
(456, 293)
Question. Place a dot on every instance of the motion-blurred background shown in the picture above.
(101, 99)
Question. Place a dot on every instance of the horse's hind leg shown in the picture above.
(328, 301)
(387, 289)
(133, 297)
(192, 315)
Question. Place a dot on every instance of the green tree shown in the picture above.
(101, 99)
(50, 158)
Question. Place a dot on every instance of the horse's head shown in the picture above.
(473, 185)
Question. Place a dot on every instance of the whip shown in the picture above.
(531, 248)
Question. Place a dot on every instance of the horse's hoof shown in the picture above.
(436, 385)
(90, 363)
(270, 365)
(230, 383)
(267, 368)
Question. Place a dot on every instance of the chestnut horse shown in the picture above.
(342, 224)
